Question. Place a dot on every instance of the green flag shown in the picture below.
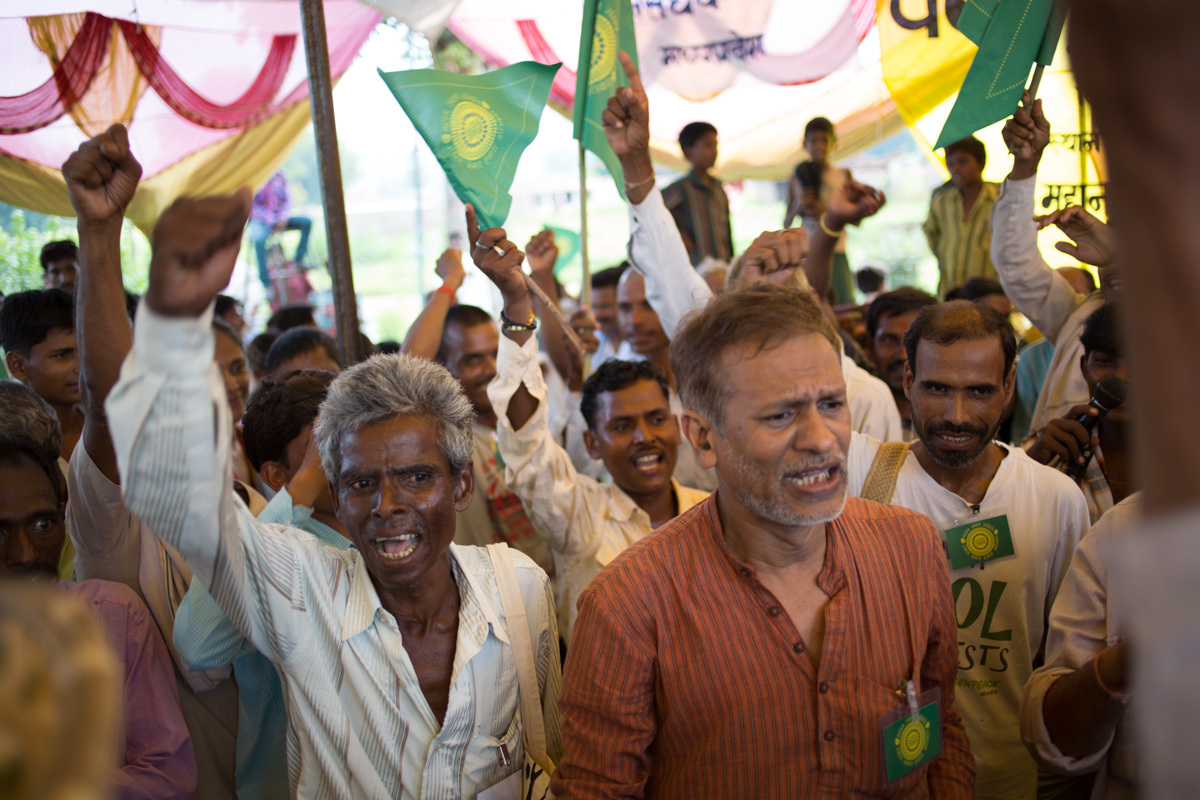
(607, 30)
(477, 125)
(1011, 35)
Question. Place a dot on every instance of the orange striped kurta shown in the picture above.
(685, 678)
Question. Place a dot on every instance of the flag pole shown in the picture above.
(552, 308)
(1036, 82)
(585, 293)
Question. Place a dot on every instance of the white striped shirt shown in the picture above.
(360, 725)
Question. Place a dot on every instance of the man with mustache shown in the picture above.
(753, 646)
(399, 673)
(1010, 524)
(888, 317)
(155, 759)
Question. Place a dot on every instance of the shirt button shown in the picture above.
(745, 572)
(829, 736)
(824, 687)
(798, 647)
(774, 611)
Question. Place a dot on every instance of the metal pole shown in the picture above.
(420, 223)
(585, 292)
(320, 91)
(1083, 157)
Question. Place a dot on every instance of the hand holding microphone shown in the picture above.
(1069, 443)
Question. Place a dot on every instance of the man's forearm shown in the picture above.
(638, 172)
(1036, 290)
(424, 336)
(819, 266)
(160, 410)
(101, 320)
(103, 332)
(1158, 213)
(656, 250)
(1079, 715)
(1024, 168)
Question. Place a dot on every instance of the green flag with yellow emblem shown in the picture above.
(477, 126)
(607, 30)
(1012, 35)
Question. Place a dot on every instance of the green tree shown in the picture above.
(20, 247)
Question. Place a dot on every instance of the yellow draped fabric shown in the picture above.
(771, 150)
(244, 159)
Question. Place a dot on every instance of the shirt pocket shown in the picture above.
(484, 766)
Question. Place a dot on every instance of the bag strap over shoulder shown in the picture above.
(513, 607)
(881, 478)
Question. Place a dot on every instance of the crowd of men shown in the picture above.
(713, 555)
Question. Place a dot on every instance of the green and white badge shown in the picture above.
(979, 541)
(911, 735)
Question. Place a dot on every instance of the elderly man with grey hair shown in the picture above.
(399, 670)
(23, 412)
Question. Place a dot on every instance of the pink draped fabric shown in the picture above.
(228, 54)
(72, 77)
(562, 91)
(252, 106)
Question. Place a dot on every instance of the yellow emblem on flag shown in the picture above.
(913, 740)
(471, 128)
(981, 541)
(602, 70)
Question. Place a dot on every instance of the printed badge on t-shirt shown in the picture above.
(979, 541)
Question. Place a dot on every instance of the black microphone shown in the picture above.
(1110, 393)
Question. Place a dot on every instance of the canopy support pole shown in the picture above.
(320, 92)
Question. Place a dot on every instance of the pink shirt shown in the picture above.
(157, 761)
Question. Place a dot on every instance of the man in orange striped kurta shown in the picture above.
(754, 646)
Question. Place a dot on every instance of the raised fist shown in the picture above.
(193, 250)
(102, 176)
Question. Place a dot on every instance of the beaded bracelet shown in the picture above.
(507, 324)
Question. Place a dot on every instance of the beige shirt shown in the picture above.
(873, 409)
(1082, 623)
(586, 523)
